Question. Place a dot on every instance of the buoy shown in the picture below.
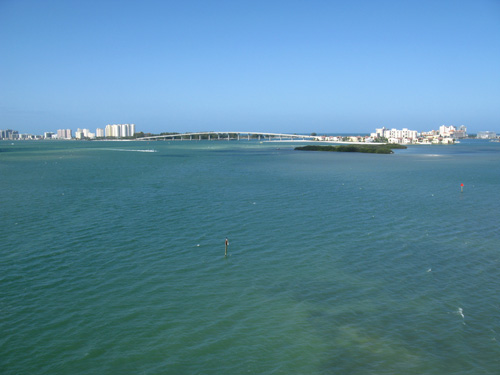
(461, 187)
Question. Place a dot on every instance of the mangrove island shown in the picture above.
(372, 149)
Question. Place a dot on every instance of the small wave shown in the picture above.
(124, 149)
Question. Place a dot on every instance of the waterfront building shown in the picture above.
(99, 133)
(24, 137)
(379, 133)
(48, 135)
(9, 134)
(108, 131)
(447, 131)
(87, 134)
(113, 131)
(125, 130)
(120, 130)
(486, 135)
(452, 132)
(445, 135)
(430, 133)
(64, 134)
(84, 134)
(397, 135)
(461, 132)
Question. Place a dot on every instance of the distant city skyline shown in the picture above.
(295, 67)
(444, 135)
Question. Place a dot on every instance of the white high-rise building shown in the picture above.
(112, 131)
(447, 131)
(64, 134)
(99, 133)
(120, 130)
(395, 133)
(452, 132)
(108, 131)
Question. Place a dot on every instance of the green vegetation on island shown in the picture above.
(372, 149)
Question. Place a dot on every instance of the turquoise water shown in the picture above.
(112, 259)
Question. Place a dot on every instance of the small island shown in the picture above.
(372, 149)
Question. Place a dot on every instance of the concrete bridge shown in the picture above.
(230, 135)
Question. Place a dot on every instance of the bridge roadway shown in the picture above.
(227, 136)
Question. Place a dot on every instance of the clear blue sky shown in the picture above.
(287, 66)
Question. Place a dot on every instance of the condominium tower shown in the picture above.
(120, 130)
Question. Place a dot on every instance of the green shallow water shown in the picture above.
(112, 259)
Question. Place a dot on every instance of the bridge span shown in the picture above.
(213, 135)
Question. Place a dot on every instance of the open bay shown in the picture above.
(112, 259)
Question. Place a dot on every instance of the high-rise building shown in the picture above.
(107, 131)
(395, 133)
(119, 130)
(447, 131)
(64, 134)
(452, 132)
(9, 134)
